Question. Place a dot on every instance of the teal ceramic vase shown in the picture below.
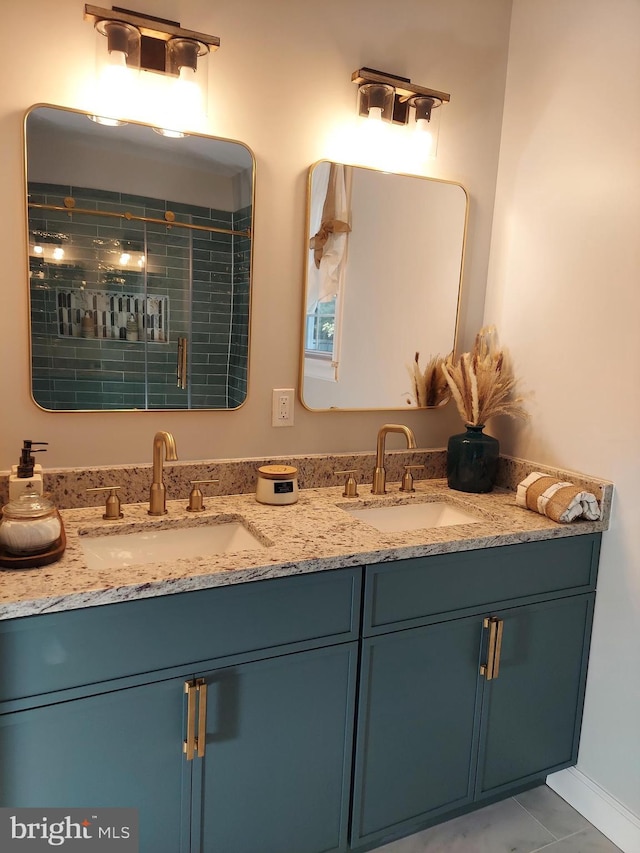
(472, 460)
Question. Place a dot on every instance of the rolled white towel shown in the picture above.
(558, 500)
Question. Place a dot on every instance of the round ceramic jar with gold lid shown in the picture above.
(277, 485)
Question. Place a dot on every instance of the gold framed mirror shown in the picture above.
(384, 259)
(140, 250)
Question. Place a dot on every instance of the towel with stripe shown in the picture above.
(558, 500)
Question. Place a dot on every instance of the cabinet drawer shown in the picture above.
(40, 654)
(411, 591)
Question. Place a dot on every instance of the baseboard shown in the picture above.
(609, 816)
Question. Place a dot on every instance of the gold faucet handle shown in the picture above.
(112, 506)
(350, 484)
(407, 478)
(196, 498)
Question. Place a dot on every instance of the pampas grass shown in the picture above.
(429, 386)
(482, 383)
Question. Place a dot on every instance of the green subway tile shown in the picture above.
(121, 387)
(50, 189)
(91, 192)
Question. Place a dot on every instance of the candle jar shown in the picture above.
(277, 485)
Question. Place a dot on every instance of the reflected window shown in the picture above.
(321, 329)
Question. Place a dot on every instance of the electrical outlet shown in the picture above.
(282, 407)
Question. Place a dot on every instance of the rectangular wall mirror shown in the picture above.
(139, 265)
(383, 275)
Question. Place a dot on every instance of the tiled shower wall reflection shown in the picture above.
(204, 277)
(239, 343)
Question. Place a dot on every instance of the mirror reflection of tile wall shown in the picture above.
(138, 287)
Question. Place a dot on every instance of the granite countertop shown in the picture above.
(312, 535)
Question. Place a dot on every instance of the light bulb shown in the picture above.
(125, 257)
(375, 113)
(184, 104)
(117, 58)
(187, 74)
(117, 76)
(37, 250)
(170, 134)
(58, 253)
(423, 135)
(107, 122)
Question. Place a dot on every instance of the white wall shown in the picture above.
(280, 82)
(564, 292)
(58, 156)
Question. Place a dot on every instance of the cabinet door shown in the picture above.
(276, 772)
(532, 711)
(122, 748)
(416, 727)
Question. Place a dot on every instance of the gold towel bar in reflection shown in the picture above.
(169, 217)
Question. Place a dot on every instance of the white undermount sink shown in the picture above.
(163, 545)
(412, 516)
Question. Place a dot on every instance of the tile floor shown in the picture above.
(534, 821)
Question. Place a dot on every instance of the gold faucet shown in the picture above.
(157, 498)
(380, 475)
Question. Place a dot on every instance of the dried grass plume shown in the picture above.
(429, 387)
(482, 381)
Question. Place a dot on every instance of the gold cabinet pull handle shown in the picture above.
(496, 657)
(491, 668)
(486, 669)
(201, 740)
(189, 745)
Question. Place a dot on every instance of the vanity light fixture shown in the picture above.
(387, 97)
(376, 101)
(48, 245)
(137, 42)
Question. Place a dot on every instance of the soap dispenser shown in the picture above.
(26, 476)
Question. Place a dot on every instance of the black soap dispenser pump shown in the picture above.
(26, 476)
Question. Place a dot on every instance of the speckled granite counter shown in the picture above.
(313, 535)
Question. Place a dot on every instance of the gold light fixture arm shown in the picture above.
(148, 25)
(405, 89)
(404, 93)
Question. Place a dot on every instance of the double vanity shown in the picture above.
(350, 671)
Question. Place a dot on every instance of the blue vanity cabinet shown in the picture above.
(120, 748)
(293, 715)
(276, 773)
(531, 711)
(279, 659)
(472, 680)
(416, 728)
